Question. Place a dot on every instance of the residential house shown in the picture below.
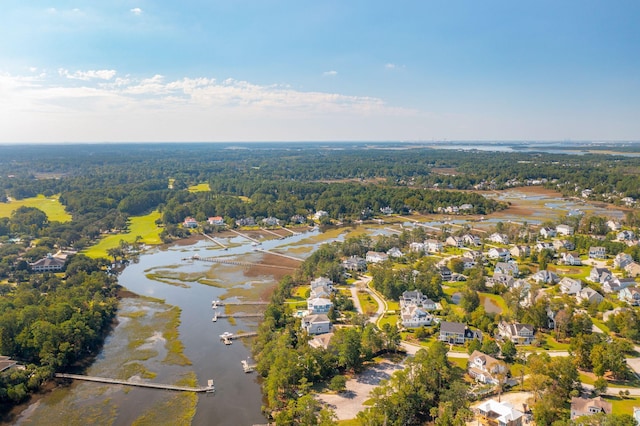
(318, 305)
(631, 295)
(190, 222)
(49, 263)
(616, 284)
(589, 295)
(589, 406)
(445, 273)
(468, 262)
(499, 253)
(621, 260)
(493, 413)
(355, 263)
(316, 324)
(466, 207)
(570, 285)
(433, 246)
(597, 252)
(322, 282)
(499, 238)
(417, 247)
(600, 275)
(547, 232)
(321, 292)
(571, 258)
(563, 244)
(544, 245)
(413, 316)
(504, 279)
(633, 269)
(563, 229)
(246, 221)
(520, 334)
(319, 215)
(486, 369)
(215, 220)
(457, 333)
(507, 268)
(298, 219)
(614, 225)
(270, 221)
(416, 298)
(628, 201)
(376, 257)
(454, 241)
(520, 251)
(472, 240)
(626, 235)
(395, 252)
(386, 210)
(545, 277)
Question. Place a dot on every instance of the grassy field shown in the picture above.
(623, 405)
(144, 226)
(201, 187)
(51, 206)
(369, 305)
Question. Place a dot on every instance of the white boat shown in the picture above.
(226, 335)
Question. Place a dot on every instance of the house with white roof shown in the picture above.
(417, 247)
(413, 316)
(626, 235)
(316, 324)
(320, 214)
(394, 252)
(508, 268)
(563, 229)
(494, 413)
(520, 334)
(614, 225)
(319, 305)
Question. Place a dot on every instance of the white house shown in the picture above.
(616, 284)
(320, 214)
(499, 253)
(416, 298)
(571, 258)
(49, 263)
(547, 232)
(190, 222)
(316, 324)
(545, 277)
(376, 257)
(508, 268)
(597, 252)
(570, 285)
(563, 229)
(322, 282)
(417, 247)
(215, 220)
(499, 414)
(456, 332)
(413, 316)
(613, 225)
(319, 305)
(599, 275)
(472, 240)
(520, 251)
(621, 260)
(626, 235)
(433, 246)
(395, 252)
(486, 369)
(631, 295)
(499, 238)
(468, 262)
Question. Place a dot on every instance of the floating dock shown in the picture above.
(248, 368)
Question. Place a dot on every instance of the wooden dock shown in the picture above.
(280, 254)
(292, 232)
(268, 231)
(236, 262)
(215, 241)
(240, 315)
(209, 388)
(244, 236)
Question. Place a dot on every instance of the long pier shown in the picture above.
(236, 262)
(280, 254)
(216, 303)
(268, 231)
(289, 230)
(215, 241)
(132, 383)
(241, 315)
(244, 236)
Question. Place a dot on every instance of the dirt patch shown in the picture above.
(261, 269)
(447, 171)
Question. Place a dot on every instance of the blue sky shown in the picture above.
(120, 70)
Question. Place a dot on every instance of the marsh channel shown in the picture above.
(165, 332)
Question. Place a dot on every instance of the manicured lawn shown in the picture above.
(201, 187)
(51, 206)
(369, 305)
(143, 226)
(623, 405)
(598, 323)
(352, 422)
(391, 319)
(460, 362)
(393, 305)
(548, 342)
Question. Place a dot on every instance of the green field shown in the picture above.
(51, 206)
(201, 187)
(143, 226)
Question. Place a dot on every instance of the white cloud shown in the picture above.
(88, 75)
(136, 11)
(390, 66)
(331, 73)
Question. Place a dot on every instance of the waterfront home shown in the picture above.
(445, 273)
(316, 324)
(270, 221)
(355, 263)
(417, 247)
(319, 305)
(520, 334)
(486, 369)
(298, 219)
(319, 215)
(376, 257)
(215, 220)
(589, 406)
(49, 263)
(246, 221)
(493, 413)
(322, 282)
(190, 222)
(597, 252)
(546, 232)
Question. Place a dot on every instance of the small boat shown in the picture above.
(210, 387)
(226, 335)
(246, 367)
(215, 318)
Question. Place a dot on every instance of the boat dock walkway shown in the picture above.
(292, 232)
(235, 262)
(244, 236)
(216, 303)
(268, 231)
(209, 388)
(240, 315)
(215, 241)
(280, 254)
